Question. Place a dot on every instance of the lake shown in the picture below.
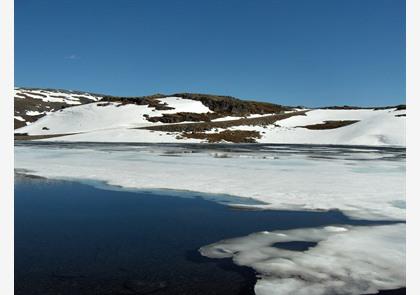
(75, 238)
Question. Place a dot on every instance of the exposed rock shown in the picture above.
(235, 136)
(204, 126)
(329, 125)
(183, 116)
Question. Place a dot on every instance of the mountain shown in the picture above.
(62, 115)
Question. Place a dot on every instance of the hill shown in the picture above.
(50, 114)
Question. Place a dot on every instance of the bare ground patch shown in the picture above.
(19, 124)
(184, 116)
(23, 136)
(329, 125)
(206, 126)
(219, 104)
(234, 136)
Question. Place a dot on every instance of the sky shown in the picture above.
(292, 52)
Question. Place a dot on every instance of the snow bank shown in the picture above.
(349, 260)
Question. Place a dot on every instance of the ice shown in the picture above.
(362, 182)
(352, 260)
(295, 179)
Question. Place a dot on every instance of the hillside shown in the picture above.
(60, 115)
(32, 104)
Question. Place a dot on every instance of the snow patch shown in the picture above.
(19, 118)
(184, 105)
(34, 113)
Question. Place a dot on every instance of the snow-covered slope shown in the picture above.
(32, 104)
(105, 116)
(112, 123)
(75, 116)
(374, 127)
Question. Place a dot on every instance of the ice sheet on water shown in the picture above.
(296, 178)
(346, 260)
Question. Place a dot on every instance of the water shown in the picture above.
(229, 150)
(73, 238)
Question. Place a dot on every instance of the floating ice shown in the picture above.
(354, 260)
(306, 178)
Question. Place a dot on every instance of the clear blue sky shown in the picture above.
(295, 52)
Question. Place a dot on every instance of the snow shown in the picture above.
(227, 118)
(259, 115)
(112, 122)
(102, 123)
(95, 117)
(89, 117)
(34, 113)
(352, 260)
(127, 135)
(55, 96)
(375, 127)
(184, 105)
(19, 118)
(318, 116)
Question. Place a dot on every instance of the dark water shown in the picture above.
(72, 238)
